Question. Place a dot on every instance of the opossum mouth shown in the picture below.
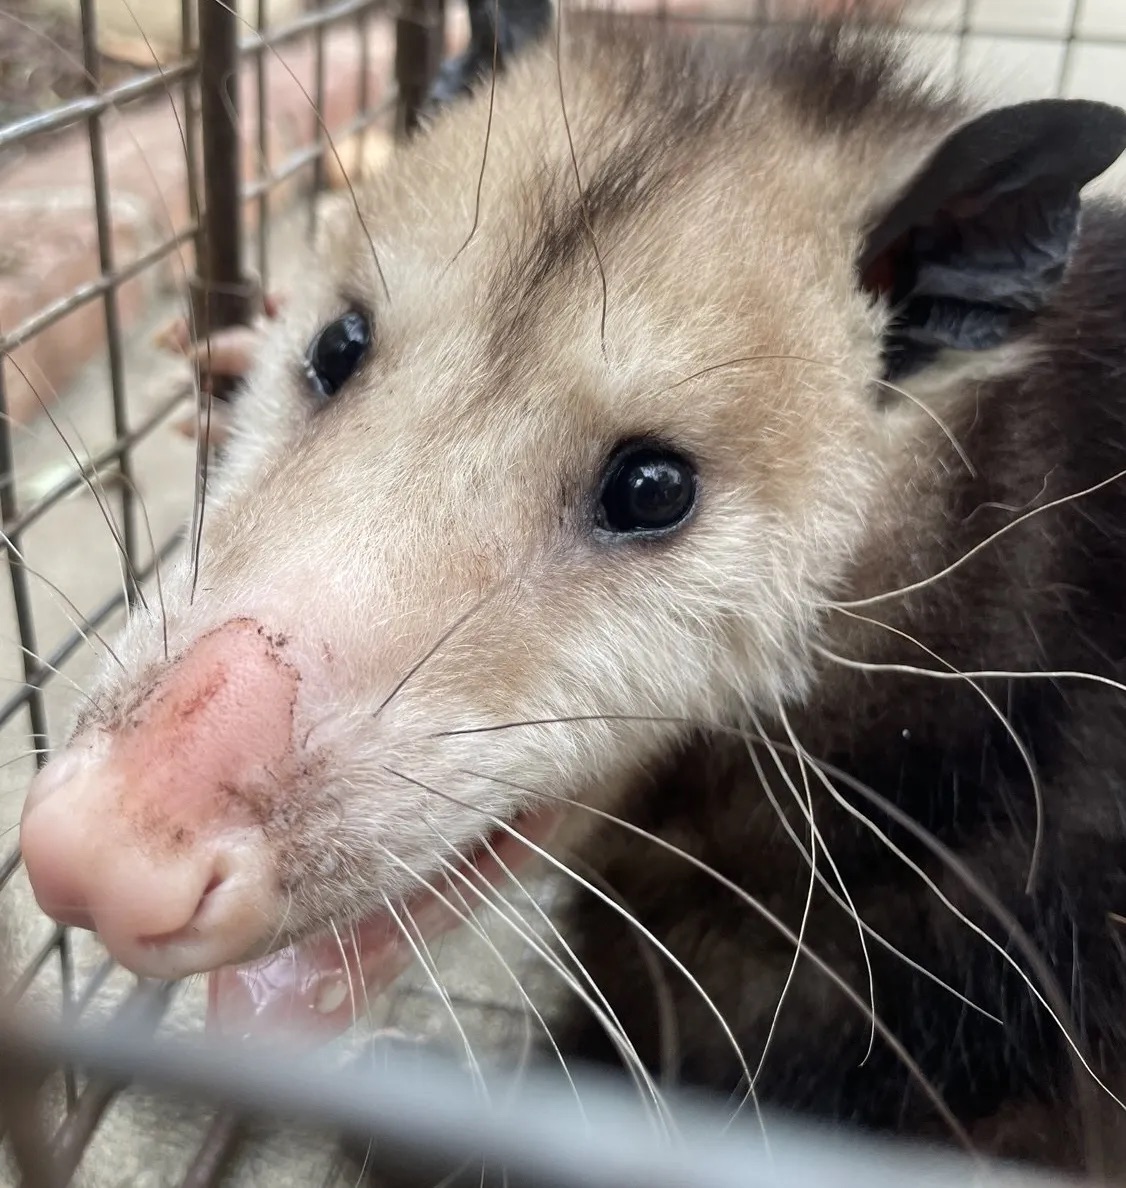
(325, 984)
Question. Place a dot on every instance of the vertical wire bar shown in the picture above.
(189, 49)
(21, 586)
(418, 41)
(66, 984)
(215, 1153)
(91, 61)
(222, 293)
(20, 1097)
(1064, 77)
(318, 124)
(263, 230)
(965, 23)
(363, 98)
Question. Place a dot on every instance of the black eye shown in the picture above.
(646, 490)
(336, 352)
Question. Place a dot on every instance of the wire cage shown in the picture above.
(95, 492)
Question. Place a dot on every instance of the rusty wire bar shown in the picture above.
(215, 1153)
(221, 293)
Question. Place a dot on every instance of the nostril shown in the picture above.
(157, 939)
(72, 915)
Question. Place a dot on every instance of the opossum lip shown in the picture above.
(324, 985)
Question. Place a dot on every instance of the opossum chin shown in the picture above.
(324, 984)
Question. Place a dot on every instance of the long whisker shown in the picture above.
(565, 720)
(347, 970)
(853, 604)
(800, 945)
(942, 425)
(1056, 1012)
(599, 894)
(156, 562)
(354, 937)
(1018, 742)
(422, 954)
(10, 544)
(579, 967)
(666, 1008)
(1046, 674)
(561, 940)
(442, 640)
(783, 930)
(780, 709)
(96, 491)
(466, 915)
(845, 905)
(613, 1029)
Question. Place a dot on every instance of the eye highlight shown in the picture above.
(646, 491)
(336, 352)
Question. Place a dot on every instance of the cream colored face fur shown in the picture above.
(451, 483)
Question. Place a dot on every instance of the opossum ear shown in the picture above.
(978, 241)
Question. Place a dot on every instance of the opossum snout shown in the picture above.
(154, 831)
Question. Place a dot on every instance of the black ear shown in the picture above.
(978, 241)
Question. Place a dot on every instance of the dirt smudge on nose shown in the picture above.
(177, 786)
(191, 707)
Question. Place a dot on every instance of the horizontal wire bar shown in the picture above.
(78, 110)
(421, 1109)
(254, 44)
(47, 317)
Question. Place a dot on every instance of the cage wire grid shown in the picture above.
(1068, 46)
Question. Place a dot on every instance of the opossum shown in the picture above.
(698, 465)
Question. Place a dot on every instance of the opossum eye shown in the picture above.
(336, 352)
(646, 490)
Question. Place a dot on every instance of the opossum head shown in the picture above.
(553, 459)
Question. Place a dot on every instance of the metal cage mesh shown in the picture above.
(98, 456)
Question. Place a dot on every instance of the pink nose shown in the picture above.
(152, 835)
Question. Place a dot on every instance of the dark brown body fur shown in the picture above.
(1047, 596)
